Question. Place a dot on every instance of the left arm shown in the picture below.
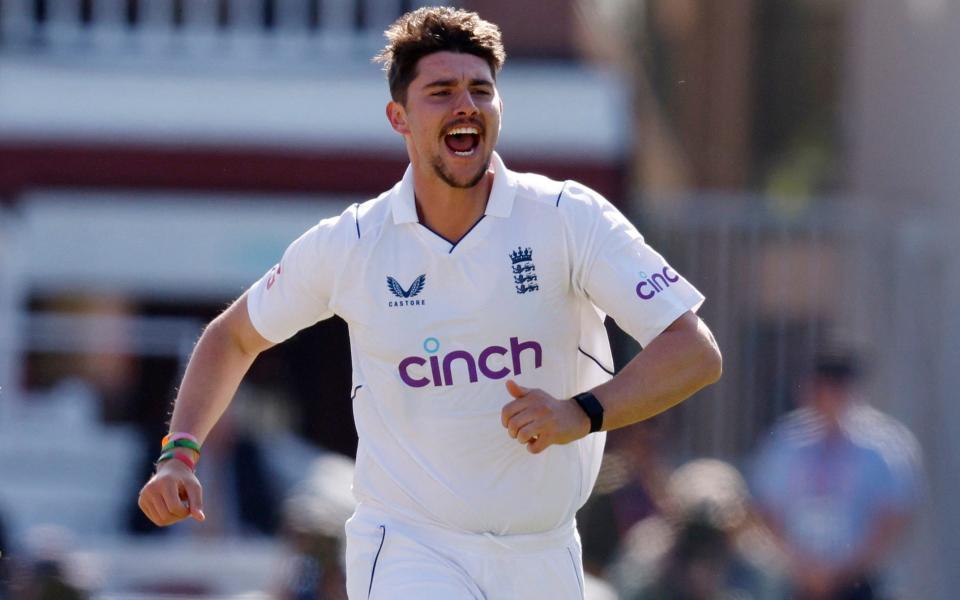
(681, 360)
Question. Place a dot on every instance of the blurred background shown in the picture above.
(795, 159)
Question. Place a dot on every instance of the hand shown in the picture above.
(538, 420)
(172, 494)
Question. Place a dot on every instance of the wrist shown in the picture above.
(592, 409)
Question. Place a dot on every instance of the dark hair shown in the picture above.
(436, 29)
(837, 365)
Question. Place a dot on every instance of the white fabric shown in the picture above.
(388, 558)
(522, 295)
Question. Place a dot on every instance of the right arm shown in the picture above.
(227, 348)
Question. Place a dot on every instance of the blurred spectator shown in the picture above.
(705, 546)
(240, 480)
(837, 482)
(630, 487)
(47, 571)
(313, 518)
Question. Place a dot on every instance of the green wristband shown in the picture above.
(182, 444)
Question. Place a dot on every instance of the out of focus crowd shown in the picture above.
(816, 513)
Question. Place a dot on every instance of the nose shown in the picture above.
(465, 106)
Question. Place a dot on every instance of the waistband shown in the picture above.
(476, 543)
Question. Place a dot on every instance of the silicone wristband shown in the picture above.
(177, 456)
(178, 435)
(181, 444)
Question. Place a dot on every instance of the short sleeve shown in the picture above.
(296, 292)
(899, 469)
(618, 271)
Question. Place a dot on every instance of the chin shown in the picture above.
(460, 181)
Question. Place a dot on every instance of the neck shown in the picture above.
(447, 211)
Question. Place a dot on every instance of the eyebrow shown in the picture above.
(453, 82)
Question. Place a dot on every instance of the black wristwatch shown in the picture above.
(590, 405)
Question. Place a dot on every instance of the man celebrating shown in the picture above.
(475, 299)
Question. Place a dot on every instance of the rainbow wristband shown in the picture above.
(178, 435)
(177, 456)
(181, 443)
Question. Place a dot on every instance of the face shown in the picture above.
(451, 119)
(829, 398)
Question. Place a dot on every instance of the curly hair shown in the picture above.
(436, 29)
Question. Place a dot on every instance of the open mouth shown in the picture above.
(462, 141)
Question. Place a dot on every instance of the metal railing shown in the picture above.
(232, 28)
(779, 285)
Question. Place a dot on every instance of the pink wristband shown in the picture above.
(182, 458)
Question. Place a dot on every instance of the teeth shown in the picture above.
(464, 130)
(467, 153)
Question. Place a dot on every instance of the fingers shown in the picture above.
(511, 408)
(145, 502)
(171, 497)
(529, 417)
(520, 420)
(528, 433)
(194, 497)
(539, 444)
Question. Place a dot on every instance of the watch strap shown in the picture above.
(590, 405)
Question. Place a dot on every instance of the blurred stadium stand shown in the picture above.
(156, 157)
(163, 152)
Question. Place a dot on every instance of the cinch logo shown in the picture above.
(415, 373)
(648, 288)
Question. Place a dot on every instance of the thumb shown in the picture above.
(517, 391)
(194, 497)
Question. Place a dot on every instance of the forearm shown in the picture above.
(680, 361)
(212, 377)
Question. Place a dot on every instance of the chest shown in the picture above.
(410, 294)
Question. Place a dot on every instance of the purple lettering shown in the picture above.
(452, 356)
(485, 369)
(516, 347)
(405, 376)
(666, 273)
(661, 284)
(435, 370)
(641, 293)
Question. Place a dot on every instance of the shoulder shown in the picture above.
(356, 222)
(532, 187)
(798, 428)
(568, 199)
(369, 217)
(884, 435)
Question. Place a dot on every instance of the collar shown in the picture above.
(499, 203)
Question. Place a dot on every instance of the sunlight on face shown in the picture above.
(452, 116)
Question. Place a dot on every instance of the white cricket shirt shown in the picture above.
(436, 328)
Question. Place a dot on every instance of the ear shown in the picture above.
(397, 116)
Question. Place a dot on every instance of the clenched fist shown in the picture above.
(538, 420)
(172, 494)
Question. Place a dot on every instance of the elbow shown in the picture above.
(713, 361)
(222, 333)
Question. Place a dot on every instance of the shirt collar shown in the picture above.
(499, 203)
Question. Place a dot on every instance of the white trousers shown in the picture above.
(389, 558)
